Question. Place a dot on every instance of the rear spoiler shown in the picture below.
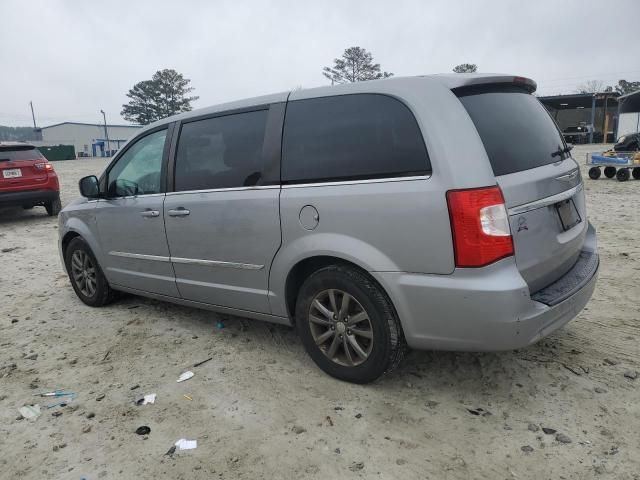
(463, 80)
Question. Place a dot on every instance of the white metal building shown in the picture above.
(89, 139)
(629, 113)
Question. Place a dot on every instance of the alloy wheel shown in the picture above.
(341, 327)
(84, 273)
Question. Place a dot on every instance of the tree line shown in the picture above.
(166, 93)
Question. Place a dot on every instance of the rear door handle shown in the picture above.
(179, 212)
(148, 213)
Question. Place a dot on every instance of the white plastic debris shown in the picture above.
(151, 398)
(30, 412)
(185, 376)
(184, 444)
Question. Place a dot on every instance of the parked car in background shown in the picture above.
(628, 143)
(439, 212)
(577, 134)
(27, 179)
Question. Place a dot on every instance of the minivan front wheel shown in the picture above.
(348, 325)
(85, 274)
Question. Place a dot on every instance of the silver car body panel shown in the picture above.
(234, 249)
(237, 228)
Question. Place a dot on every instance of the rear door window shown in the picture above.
(20, 153)
(347, 137)
(221, 152)
(517, 131)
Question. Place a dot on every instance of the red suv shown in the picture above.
(27, 178)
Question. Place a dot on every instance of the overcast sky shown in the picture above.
(73, 58)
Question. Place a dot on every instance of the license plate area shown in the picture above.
(568, 214)
(12, 173)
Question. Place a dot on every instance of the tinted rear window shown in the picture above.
(351, 137)
(11, 154)
(517, 132)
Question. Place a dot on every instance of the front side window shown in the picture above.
(346, 137)
(221, 152)
(138, 170)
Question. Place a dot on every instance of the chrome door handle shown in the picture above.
(148, 213)
(179, 212)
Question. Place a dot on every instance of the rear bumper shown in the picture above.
(487, 309)
(28, 197)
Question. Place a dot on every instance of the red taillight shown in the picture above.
(480, 226)
(43, 166)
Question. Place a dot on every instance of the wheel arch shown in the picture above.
(74, 227)
(307, 266)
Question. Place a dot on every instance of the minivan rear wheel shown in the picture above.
(85, 274)
(348, 325)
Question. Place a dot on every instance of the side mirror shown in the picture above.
(89, 187)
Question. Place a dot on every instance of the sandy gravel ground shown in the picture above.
(261, 409)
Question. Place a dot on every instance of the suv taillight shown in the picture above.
(43, 166)
(480, 226)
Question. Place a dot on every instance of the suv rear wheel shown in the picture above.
(348, 325)
(53, 207)
(85, 274)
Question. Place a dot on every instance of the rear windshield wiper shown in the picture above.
(562, 151)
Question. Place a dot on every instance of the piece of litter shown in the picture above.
(30, 412)
(202, 362)
(185, 376)
(171, 451)
(184, 444)
(187, 397)
(150, 398)
(144, 430)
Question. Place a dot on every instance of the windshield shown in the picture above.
(19, 153)
(517, 131)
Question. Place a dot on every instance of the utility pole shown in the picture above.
(106, 134)
(33, 115)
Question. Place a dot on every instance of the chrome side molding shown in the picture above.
(188, 261)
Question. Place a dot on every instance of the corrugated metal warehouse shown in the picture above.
(89, 139)
(597, 110)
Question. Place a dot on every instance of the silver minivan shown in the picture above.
(436, 212)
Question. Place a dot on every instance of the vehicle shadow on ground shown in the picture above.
(18, 215)
(467, 372)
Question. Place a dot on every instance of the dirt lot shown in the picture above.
(261, 409)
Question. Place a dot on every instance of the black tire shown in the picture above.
(609, 172)
(53, 207)
(387, 345)
(103, 293)
(594, 173)
(623, 174)
(636, 173)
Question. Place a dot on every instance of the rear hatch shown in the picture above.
(540, 181)
(19, 168)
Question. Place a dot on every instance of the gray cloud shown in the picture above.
(74, 58)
